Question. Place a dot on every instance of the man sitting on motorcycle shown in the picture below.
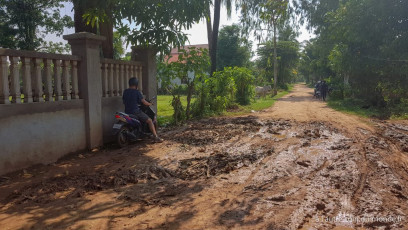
(132, 98)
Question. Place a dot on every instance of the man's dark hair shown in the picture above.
(133, 82)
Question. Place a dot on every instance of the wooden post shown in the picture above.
(15, 80)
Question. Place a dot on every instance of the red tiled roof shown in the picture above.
(175, 52)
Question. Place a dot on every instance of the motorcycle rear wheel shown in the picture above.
(122, 138)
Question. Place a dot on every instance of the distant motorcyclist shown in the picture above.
(316, 89)
(324, 88)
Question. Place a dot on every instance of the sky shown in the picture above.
(197, 34)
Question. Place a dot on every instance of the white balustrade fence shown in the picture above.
(116, 75)
(27, 77)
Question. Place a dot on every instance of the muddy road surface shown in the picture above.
(297, 165)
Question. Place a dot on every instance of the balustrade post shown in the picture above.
(140, 76)
(131, 73)
(105, 80)
(4, 83)
(27, 90)
(15, 80)
(74, 75)
(110, 80)
(48, 79)
(121, 80)
(57, 80)
(37, 79)
(128, 76)
(117, 75)
(66, 92)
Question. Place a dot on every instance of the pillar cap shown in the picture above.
(84, 36)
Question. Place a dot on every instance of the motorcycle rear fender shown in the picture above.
(116, 131)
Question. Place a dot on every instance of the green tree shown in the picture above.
(265, 15)
(118, 46)
(233, 49)
(361, 45)
(28, 21)
(287, 60)
(191, 67)
(7, 32)
(213, 29)
(157, 24)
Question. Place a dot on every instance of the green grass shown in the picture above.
(354, 107)
(259, 104)
(164, 108)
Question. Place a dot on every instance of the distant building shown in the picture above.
(173, 57)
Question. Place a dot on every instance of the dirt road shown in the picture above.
(297, 165)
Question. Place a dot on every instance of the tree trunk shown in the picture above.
(106, 30)
(275, 61)
(209, 28)
(80, 25)
(214, 41)
(189, 96)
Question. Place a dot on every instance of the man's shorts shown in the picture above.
(141, 116)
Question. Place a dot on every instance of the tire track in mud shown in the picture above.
(334, 185)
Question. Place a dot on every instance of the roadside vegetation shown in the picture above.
(365, 61)
(360, 108)
(166, 111)
(231, 89)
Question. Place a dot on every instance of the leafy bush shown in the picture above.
(222, 84)
(179, 111)
(221, 91)
(191, 67)
(211, 98)
(244, 83)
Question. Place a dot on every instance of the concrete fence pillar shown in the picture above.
(87, 46)
(149, 71)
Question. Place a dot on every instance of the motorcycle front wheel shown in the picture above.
(122, 137)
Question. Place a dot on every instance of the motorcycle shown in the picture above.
(317, 94)
(128, 128)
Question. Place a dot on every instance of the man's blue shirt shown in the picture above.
(132, 98)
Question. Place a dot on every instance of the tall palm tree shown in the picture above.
(213, 30)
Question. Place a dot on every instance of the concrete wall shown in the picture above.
(44, 131)
(40, 133)
(110, 106)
